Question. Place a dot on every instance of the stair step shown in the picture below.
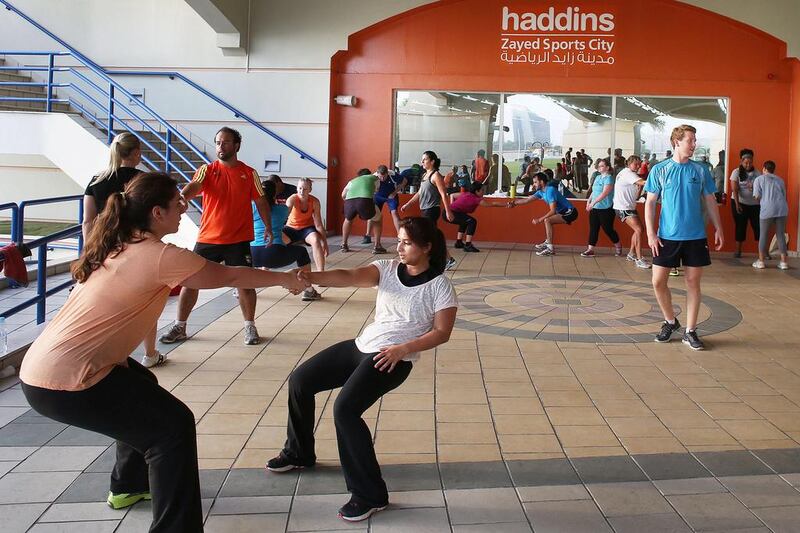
(11, 75)
(23, 91)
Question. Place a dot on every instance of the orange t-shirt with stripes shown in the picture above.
(299, 219)
(227, 211)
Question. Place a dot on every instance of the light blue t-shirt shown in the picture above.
(771, 191)
(682, 188)
(597, 189)
(550, 195)
(278, 215)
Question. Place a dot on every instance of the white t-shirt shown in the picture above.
(625, 190)
(404, 313)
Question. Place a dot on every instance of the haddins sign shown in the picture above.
(567, 37)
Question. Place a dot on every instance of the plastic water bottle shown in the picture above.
(3, 336)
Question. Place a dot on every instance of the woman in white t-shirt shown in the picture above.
(627, 189)
(415, 311)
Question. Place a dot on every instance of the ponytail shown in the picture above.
(121, 148)
(125, 217)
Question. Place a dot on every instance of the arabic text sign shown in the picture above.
(567, 37)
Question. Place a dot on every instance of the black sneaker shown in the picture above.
(666, 331)
(355, 511)
(691, 339)
(282, 463)
(459, 244)
(470, 248)
(366, 240)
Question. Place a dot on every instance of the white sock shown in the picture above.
(671, 322)
(249, 323)
(549, 246)
(181, 323)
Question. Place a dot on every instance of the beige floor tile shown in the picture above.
(556, 383)
(522, 424)
(714, 448)
(405, 458)
(677, 401)
(516, 406)
(785, 421)
(220, 446)
(703, 395)
(255, 457)
(267, 437)
(623, 408)
(768, 444)
(404, 441)
(227, 424)
(243, 387)
(703, 436)
(530, 456)
(406, 420)
(465, 433)
(214, 464)
(693, 380)
(565, 399)
(201, 393)
(233, 404)
(770, 403)
(505, 375)
(528, 443)
(199, 409)
(407, 402)
(457, 453)
(649, 426)
(457, 367)
(510, 390)
(644, 445)
(601, 392)
(275, 416)
(580, 436)
(200, 377)
(496, 361)
(751, 430)
(730, 411)
(755, 388)
(574, 416)
(461, 396)
(594, 451)
(327, 451)
(461, 413)
(458, 381)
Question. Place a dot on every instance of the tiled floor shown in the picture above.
(550, 409)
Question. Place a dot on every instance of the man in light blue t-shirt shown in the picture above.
(682, 185)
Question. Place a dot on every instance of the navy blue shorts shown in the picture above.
(391, 202)
(279, 256)
(692, 253)
(298, 235)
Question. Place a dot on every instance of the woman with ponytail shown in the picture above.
(415, 311)
(79, 372)
(432, 195)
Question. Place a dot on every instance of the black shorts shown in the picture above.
(279, 256)
(624, 214)
(432, 213)
(237, 254)
(363, 207)
(569, 216)
(298, 235)
(686, 253)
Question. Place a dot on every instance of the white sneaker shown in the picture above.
(541, 246)
(758, 263)
(149, 361)
(630, 257)
(783, 265)
(643, 263)
(546, 252)
(251, 335)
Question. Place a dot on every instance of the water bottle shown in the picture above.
(3, 336)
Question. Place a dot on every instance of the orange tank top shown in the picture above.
(299, 219)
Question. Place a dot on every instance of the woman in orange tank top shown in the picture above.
(305, 222)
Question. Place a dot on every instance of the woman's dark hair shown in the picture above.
(125, 215)
(744, 153)
(422, 232)
(364, 172)
(434, 159)
(269, 191)
(475, 186)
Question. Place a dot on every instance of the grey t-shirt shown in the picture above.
(745, 186)
(772, 192)
(428, 194)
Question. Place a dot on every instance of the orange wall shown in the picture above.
(661, 48)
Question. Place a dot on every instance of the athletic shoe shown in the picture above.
(311, 295)
(643, 263)
(125, 499)
(344, 248)
(176, 333)
(737, 255)
(630, 257)
(758, 263)
(546, 252)
(378, 250)
(617, 251)
(783, 265)
(666, 331)
(354, 511)
(459, 244)
(587, 253)
(282, 463)
(149, 361)
(251, 335)
(541, 246)
(691, 339)
(674, 272)
(366, 240)
(450, 263)
(470, 248)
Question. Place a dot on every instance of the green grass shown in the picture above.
(514, 166)
(36, 228)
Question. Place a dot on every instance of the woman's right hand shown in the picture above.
(294, 282)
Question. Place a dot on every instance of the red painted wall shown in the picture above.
(661, 48)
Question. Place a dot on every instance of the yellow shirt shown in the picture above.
(106, 317)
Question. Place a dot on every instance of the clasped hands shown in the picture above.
(296, 281)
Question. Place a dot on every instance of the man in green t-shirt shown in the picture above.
(358, 196)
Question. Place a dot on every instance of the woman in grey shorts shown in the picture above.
(771, 191)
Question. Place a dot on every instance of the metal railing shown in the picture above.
(17, 224)
(108, 108)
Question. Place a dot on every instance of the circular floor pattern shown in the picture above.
(575, 309)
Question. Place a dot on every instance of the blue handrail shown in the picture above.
(97, 69)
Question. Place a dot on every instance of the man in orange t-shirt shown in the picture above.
(226, 226)
(480, 167)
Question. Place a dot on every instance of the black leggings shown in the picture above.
(156, 441)
(602, 218)
(279, 255)
(750, 213)
(342, 365)
(466, 223)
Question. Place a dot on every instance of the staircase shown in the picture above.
(25, 92)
